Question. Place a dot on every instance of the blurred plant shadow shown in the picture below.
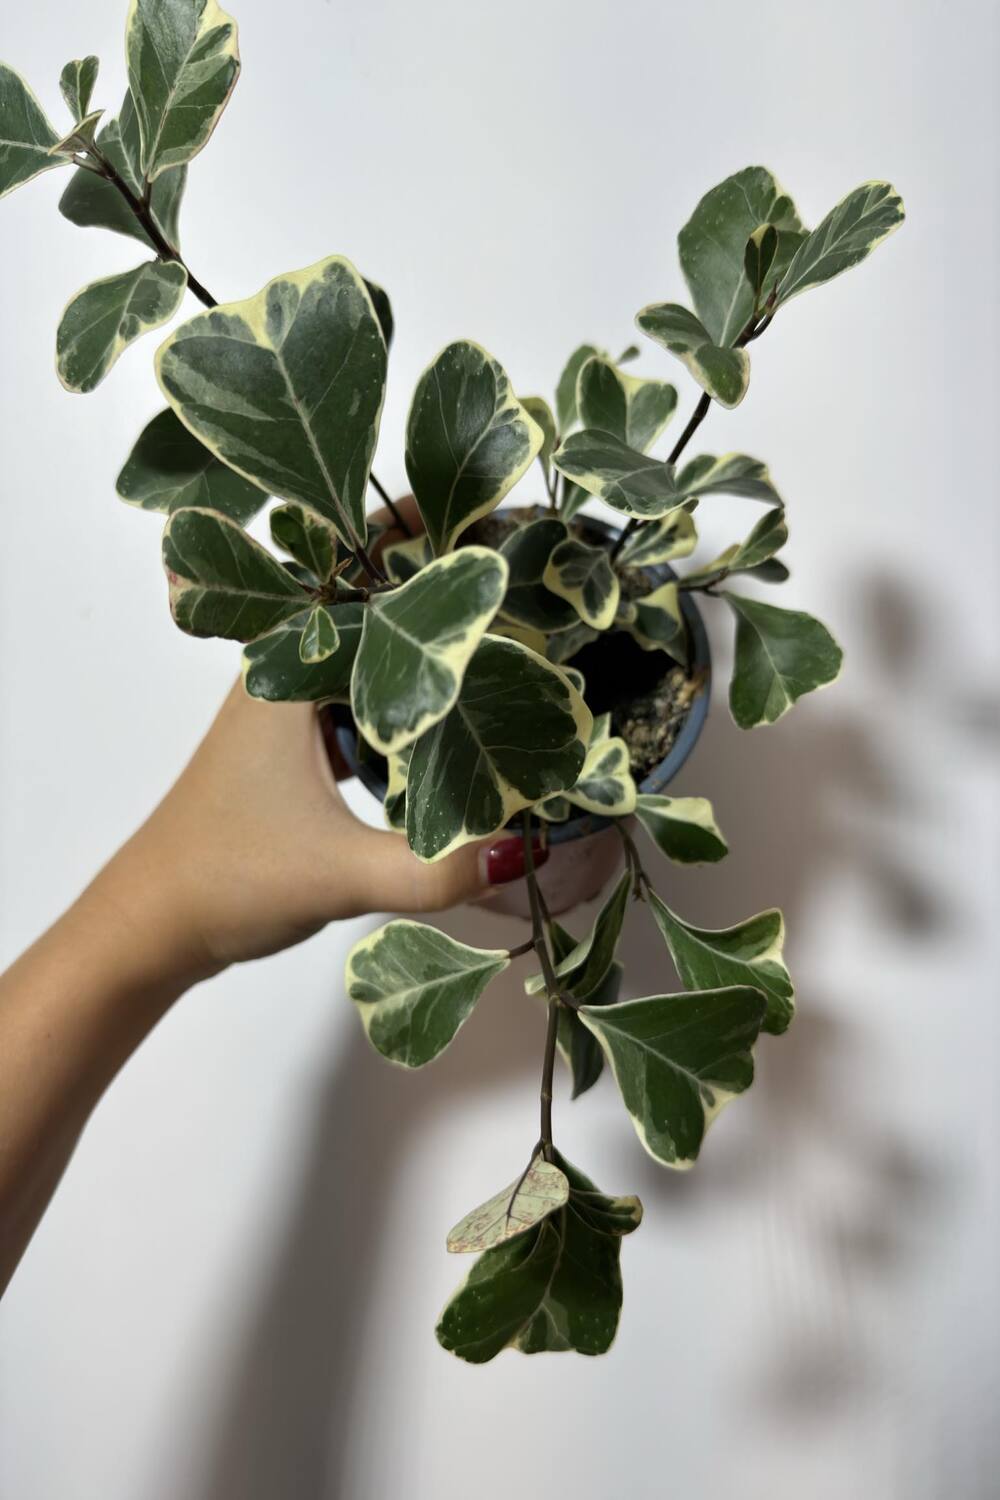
(780, 795)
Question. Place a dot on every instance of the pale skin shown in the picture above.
(252, 851)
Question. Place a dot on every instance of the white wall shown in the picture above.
(233, 1295)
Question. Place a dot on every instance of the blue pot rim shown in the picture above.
(585, 824)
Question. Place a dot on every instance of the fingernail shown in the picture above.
(505, 861)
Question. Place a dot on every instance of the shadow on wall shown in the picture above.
(794, 803)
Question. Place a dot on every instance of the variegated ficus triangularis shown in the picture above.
(460, 653)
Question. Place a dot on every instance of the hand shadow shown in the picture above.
(781, 797)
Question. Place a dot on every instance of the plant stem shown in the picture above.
(541, 947)
(166, 251)
(521, 949)
(401, 522)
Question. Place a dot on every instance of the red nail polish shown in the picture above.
(505, 861)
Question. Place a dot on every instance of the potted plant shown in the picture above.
(535, 668)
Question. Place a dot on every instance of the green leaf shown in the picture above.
(748, 954)
(418, 641)
(554, 1288)
(574, 498)
(585, 968)
(605, 785)
(76, 84)
(659, 623)
(721, 371)
(183, 62)
(528, 601)
(383, 310)
(403, 560)
(414, 987)
(468, 441)
(634, 410)
(629, 481)
(273, 668)
(517, 734)
(307, 536)
(578, 1047)
(780, 655)
(26, 136)
(674, 535)
(583, 575)
(168, 470)
(678, 1060)
(516, 1208)
(566, 407)
(767, 537)
(713, 243)
(80, 138)
(222, 582)
(846, 236)
(732, 474)
(92, 202)
(320, 637)
(287, 388)
(394, 805)
(564, 646)
(540, 412)
(758, 257)
(684, 828)
(100, 322)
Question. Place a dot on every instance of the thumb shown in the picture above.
(392, 878)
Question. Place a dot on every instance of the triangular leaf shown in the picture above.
(26, 136)
(628, 480)
(183, 62)
(222, 582)
(585, 967)
(418, 641)
(516, 1208)
(414, 987)
(100, 322)
(93, 201)
(273, 668)
(732, 474)
(320, 637)
(566, 408)
(468, 441)
(749, 953)
(583, 576)
(678, 1060)
(768, 536)
(780, 655)
(540, 412)
(684, 828)
(721, 371)
(517, 733)
(632, 409)
(287, 388)
(307, 536)
(605, 785)
(528, 600)
(168, 469)
(847, 235)
(76, 84)
(80, 138)
(659, 624)
(674, 535)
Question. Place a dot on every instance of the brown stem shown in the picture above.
(400, 520)
(541, 947)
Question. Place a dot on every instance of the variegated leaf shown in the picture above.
(535, 640)
(528, 601)
(76, 84)
(847, 235)
(556, 1287)
(414, 987)
(732, 474)
(674, 535)
(26, 135)
(93, 201)
(583, 575)
(320, 637)
(768, 536)
(168, 469)
(287, 388)
(631, 482)
(540, 412)
(565, 645)
(417, 643)
(721, 371)
(780, 655)
(713, 242)
(659, 624)
(605, 785)
(578, 1047)
(183, 62)
(758, 258)
(517, 733)
(468, 441)
(585, 967)
(222, 582)
(403, 560)
(684, 828)
(273, 668)
(572, 500)
(747, 954)
(80, 138)
(383, 310)
(394, 805)
(634, 410)
(678, 1060)
(512, 1211)
(554, 809)
(308, 537)
(566, 407)
(100, 322)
